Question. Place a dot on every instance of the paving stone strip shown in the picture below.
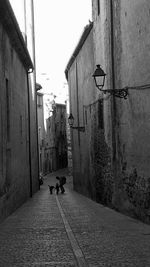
(76, 249)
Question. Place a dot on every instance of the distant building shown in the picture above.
(18, 139)
(56, 150)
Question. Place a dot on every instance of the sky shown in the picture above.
(58, 27)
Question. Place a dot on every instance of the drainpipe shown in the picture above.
(77, 91)
(29, 134)
(25, 22)
(35, 94)
(33, 34)
(113, 102)
(71, 132)
(34, 77)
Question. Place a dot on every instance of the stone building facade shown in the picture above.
(118, 128)
(50, 151)
(41, 132)
(18, 143)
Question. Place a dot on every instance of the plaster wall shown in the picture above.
(132, 35)
(33, 133)
(134, 71)
(14, 138)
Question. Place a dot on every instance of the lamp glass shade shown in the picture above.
(99, 77)
(71, 120)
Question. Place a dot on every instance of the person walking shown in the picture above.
(62, 181)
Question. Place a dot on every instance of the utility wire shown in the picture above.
(138, 88)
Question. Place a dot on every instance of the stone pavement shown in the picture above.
(71, 230)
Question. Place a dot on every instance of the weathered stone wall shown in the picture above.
(127, 44)
(132, 69)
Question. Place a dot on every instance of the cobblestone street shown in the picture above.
(71, 230)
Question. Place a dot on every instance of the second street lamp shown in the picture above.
(71, 122)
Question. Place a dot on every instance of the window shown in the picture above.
(86, 117)
(21, 127)
(98, 7)
(8, 110)
(100, 114)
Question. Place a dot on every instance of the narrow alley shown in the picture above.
(71, 230)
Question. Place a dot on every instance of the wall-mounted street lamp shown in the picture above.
(71, 122)
(99, 78)
(38, 87)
